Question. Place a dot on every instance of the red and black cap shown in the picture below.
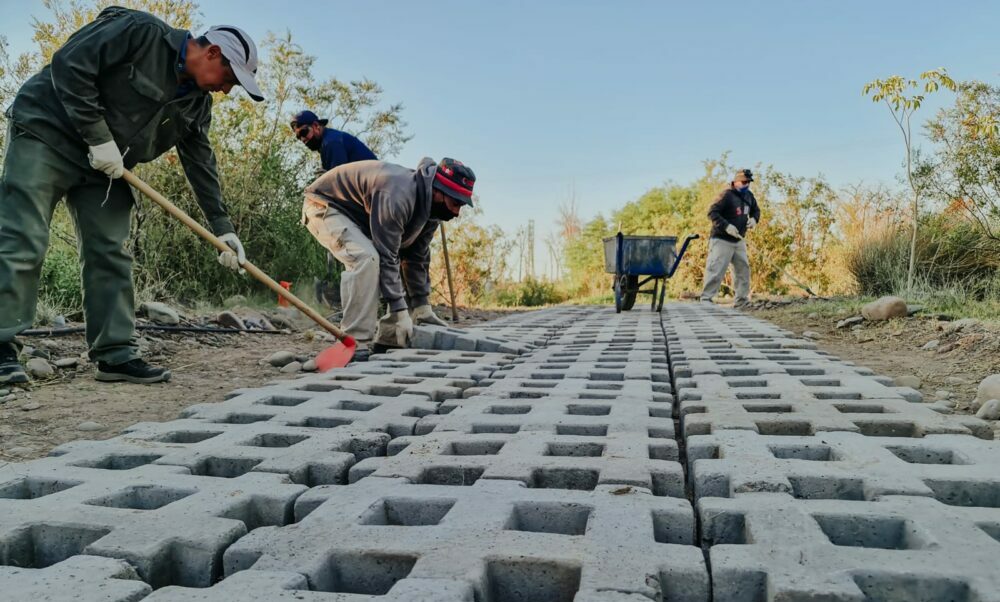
(455, 179)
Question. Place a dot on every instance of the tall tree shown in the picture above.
(903, 98)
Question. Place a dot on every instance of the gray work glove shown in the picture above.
(394, 329)
(423, 314)
(233, 260)
(732, 231)
(107, 159)
(751, 223)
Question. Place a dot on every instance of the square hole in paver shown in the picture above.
(451, 475)
(820, 382)
(588, 410)
(785, 428)
(141, 497)
(275, 440)
(524, 580)
(894, 428)
(757, 396)
(741, 384)
(325, 422)
(227, 468)
(495, 428)
(827, 488)
(473, 448)
(834, 395)
(887, 533)
(368, 573)
(769, 408)
(406, 512)
(508, 410)
(283, 400)
(922, 455)
(30, 488)
(354, 405)
(542, 517)
(586, 430)
(980, 494)
(42, 545)
(885, 587)
(816, 453)
(119, 461)
(186, 436)
(574, 449)
(859, 408)
(583, 479)
(242, 418)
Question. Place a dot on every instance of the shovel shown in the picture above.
(336, 356)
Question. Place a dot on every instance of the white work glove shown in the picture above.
(425, 315)
(732, 231)
(230, 260)
(108, 159)
(751, 223)
(394, 329)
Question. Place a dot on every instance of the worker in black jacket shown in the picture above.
(733, 213)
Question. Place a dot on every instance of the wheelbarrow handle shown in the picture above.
(684, 247)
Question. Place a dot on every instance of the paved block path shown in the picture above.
(568, 454)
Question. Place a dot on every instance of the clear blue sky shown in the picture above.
(613, 98)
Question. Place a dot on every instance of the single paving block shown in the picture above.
(507, 541)
(170, 525)
(955, 469)
(426, 336)
(711, 388)
(770, 546)
(537, 459)
(78, 578)
(557, 415)
(326, 410)
(381, 385)
(278, 586)
(306, 455)
(872, 417)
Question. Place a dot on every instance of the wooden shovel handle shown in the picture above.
(251, 269)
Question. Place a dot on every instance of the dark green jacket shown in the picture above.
(116, 78)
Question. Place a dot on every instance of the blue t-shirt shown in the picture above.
(340, 147)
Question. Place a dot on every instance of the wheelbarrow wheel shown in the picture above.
(619, 286)
(630, 293)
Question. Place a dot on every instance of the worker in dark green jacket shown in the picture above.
(121, 91)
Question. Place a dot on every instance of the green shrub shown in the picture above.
(528, 293)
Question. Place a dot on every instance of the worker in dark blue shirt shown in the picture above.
(334, 147)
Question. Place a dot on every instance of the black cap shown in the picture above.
(307, 118)
(743, 173)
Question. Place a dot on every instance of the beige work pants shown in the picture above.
(359, 292)
(720, 254)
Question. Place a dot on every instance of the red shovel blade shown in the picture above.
(336, 356)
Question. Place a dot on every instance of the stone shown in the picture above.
(931, 345)
(292, 367)
(45, 355)
(852, 321)
(160, 313)
(811, 334)
(813, 316)
(90, 426)
(40, 368)
(4, 392)
(914, 309)
(20, 450)
(961, 325)
(989, 388)
(228, 319)
(34, 405)
(309, 366)
(947, 348)
(280, 359)
(10, 397)
(67, 362)
(234, 301)
(907, 381)
(944, 394)
(59, 321)
(956, 380)
(885, 308)
(989, 410)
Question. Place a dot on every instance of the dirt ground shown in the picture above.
(204, 367)
(963, 357)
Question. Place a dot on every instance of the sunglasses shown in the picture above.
(303, 132)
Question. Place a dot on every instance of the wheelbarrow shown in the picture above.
(639, 260)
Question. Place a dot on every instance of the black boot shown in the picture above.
(11, 371)
(133, 371)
